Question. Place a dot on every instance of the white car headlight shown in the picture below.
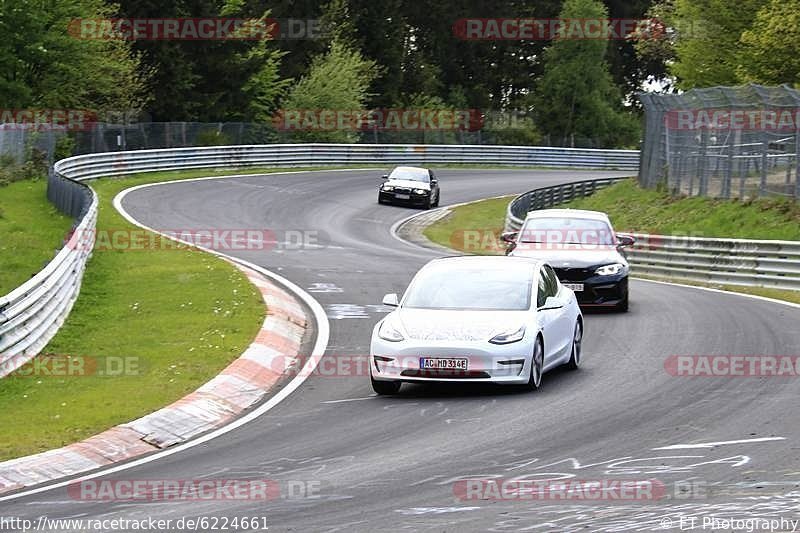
(387, 187)
(420, 191)
(609, 270)
(389, 331)
(507, 337)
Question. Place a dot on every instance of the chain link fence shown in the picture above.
(723, 142)
(18, 144)
(22, 144)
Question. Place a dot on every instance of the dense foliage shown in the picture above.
(395, 54)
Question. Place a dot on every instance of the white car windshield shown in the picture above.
(566, 230)
(466, 288)
(410, 173)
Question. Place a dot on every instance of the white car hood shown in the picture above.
(409, 183)
(570, 255)
(439, 325)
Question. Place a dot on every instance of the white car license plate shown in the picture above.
(450, 363)
(403, 196)
(577, 287)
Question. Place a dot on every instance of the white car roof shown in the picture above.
(568, 213)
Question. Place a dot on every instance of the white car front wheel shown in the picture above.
(537, 365)
(575, 359)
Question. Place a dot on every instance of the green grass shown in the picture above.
(179, 315)
(31, 230)
(634, 209)
(474, 228)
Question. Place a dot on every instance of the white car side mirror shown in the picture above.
(391, 300)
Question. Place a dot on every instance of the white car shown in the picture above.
(477, 319)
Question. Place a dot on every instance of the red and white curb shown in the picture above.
(239, 386)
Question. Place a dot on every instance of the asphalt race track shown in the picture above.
(391, 463)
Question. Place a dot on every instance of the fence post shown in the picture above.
(762, 187)
(797, 163)
(726, 183)
(703, 188)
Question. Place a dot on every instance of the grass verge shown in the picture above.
(473, 228)
(634, 209)
(31, 230)
(157, 323)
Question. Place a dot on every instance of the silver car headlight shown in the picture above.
(507, 337)
(420, 191)
(610, 270)
(387, 187)
(389, 331)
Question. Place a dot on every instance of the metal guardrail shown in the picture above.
(547, 197)
(289, 155)
(32, 314)
(753, 263)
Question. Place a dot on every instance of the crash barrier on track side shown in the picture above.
(547, 197)
(32, 314)
(753, 263)
(294, 155)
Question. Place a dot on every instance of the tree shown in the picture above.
(337, 80)
(707, 48)
(576, 96)
(769, 50)
(211, 80)
(46, 66)
(629, 69)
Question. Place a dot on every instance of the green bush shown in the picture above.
(213, 138)
(32, 169)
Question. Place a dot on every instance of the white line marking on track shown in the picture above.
(350, 400)
(720, 443)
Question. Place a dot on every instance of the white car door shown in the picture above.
(566, 321)
(549, 317)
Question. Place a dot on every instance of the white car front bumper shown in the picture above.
(487, 363)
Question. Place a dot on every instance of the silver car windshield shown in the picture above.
(466, 288)
(410, 173)
(563, 230)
